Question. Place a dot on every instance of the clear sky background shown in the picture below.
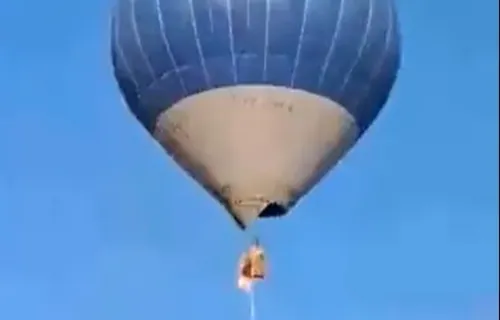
(97, 223)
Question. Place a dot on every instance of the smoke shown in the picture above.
(252, 304)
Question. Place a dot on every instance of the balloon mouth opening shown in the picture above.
(269, 210)
(273, 210)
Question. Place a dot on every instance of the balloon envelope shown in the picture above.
(256, 99)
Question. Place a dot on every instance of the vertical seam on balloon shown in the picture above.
(138, 38)
(231, 40)
(299, 44)
(210, 15)
(378, 67)
(331, 49)
(361, 48)
(248, 14)
(120, 52)
(266, 39)
(198, 43)
(166, 42)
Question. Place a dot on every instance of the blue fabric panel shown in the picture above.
(165, 50)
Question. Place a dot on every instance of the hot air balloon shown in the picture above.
(255, 99)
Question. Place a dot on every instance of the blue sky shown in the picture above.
(96, 222)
